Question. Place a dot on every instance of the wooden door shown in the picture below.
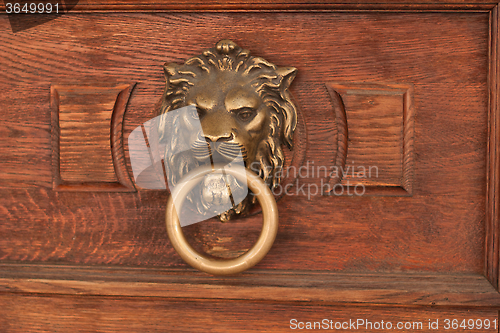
(415, 245)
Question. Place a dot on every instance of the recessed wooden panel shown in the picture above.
(87, 137)
(380, 131)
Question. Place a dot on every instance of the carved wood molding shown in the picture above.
(263, 5)
(380, 122)
(87, 138)
(461, 291)
(492, 244)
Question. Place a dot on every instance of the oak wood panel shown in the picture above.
(93, 314)
(122, 228)
(340, 234)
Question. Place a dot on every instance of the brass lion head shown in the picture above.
(245, 110)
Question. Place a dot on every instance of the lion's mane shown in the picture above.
(268, 80)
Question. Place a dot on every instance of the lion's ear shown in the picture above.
(170, 69)
(288, 74)
(289, 109)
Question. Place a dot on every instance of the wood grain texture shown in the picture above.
(97, 314)
(84, 133)
(87, 137)
(439, 229)
(463, 290)
(25, 136)
(380, 122)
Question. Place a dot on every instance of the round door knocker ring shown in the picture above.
(223, 266)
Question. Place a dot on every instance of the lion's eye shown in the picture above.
(245, 114)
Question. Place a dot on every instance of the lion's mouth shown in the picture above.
(221, 192)
(218, 152)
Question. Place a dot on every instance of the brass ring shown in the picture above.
(223, 266)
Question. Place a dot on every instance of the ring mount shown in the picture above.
(222, 266)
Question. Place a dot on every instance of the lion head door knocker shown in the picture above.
(223, 113)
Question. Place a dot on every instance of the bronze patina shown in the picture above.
(246, 112)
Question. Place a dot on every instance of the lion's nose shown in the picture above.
(218, 138)
(217, 126)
